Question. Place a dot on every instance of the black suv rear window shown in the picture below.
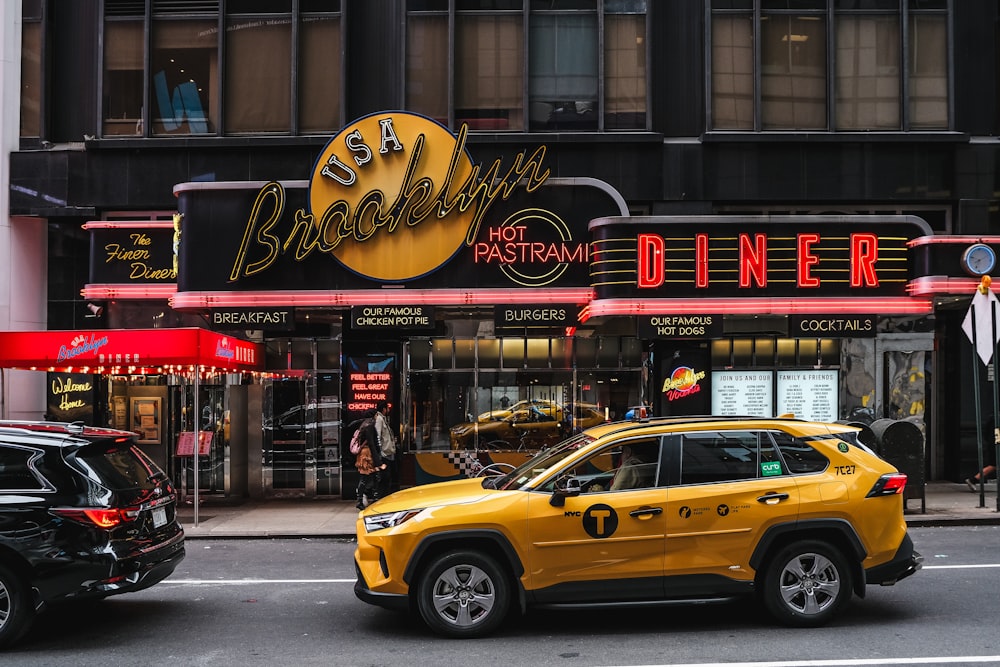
(117, 466)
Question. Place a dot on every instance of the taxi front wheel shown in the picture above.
(463, 594)
(806, 583)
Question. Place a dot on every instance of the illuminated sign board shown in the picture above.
(808, 394)
(534, 316)
(71, 397)
(832, 326)
(127, 348)
(746, 393)
(678, 326)
(131, 254)
(394, 200)
(392, 317)
(259, 319)
(370, 379)
(725, 256)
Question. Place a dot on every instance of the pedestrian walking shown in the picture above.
(368, 462)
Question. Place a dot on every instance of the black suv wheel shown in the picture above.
(806, 583)
(463, 594)
(15, 607)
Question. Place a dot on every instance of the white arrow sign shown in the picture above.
(985, 336)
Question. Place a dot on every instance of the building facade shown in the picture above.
(749, 206)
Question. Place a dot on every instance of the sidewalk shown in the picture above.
(945, 503)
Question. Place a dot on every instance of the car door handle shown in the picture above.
(646, 511)
(772, 498)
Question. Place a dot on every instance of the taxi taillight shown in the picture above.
(888, 485)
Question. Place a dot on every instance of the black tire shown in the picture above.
(463, 594)
(806, 583)
(16, 612)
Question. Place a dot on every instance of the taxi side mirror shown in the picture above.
(564, 488)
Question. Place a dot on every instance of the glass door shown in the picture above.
(285, 419)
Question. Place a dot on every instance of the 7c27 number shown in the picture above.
(844, 470)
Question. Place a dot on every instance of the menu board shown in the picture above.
(811, 394)
(744, 393)
(185, 443)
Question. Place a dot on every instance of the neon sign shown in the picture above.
(81, 345)
(392, 198)
(752, 260)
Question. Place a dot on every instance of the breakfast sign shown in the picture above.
(394, 200)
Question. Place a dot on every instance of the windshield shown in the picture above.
(538, 464)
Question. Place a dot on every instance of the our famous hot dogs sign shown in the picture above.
(394, 198)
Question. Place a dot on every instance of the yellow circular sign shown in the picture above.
(388, 191)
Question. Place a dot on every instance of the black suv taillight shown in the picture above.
(888, 485)
(103, 517)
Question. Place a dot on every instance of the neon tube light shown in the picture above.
(193, 300)
(759, 306)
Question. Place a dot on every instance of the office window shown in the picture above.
(868, 76)
(928, 71)
(793, 71)
(123, 76)
(184, 76)
(258, 73)
(562, 67)
(187, 84)
(566, 65)
(31, 69)
(319, 74)
(732, 72)
(829, 65)
(625, 65)
(427, 63)
(489, 70)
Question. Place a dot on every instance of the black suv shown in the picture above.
(84, 513)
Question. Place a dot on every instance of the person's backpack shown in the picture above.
(387, 444)
(357, 438)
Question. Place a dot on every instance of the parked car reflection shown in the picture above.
(526, 425)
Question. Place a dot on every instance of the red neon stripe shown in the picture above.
(760, 306)
(184, 300)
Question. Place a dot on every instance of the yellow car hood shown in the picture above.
(432, 495)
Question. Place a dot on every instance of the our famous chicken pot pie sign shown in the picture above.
(395, 196)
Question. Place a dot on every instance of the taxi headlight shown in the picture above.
(389, 520)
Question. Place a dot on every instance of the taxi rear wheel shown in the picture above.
(806, 583)
(463, 594)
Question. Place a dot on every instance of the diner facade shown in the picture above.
(509, 220)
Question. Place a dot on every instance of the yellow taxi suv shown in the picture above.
(800, 514)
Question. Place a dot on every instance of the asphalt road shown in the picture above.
(290, 602)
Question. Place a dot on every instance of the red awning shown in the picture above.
(129, 351)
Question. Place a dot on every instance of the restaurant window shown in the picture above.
(769, 352)
(544, 385)
(829, 64)
(258, 63)
(567, 65)
(31, 68)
